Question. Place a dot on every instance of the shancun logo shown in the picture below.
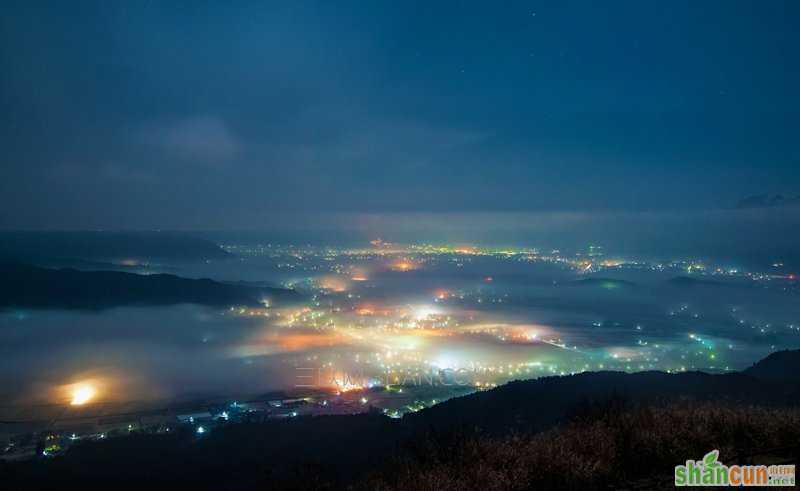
(711, 472)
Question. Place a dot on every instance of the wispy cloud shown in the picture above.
(205, 140)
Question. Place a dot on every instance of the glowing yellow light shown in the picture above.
(403, 265)
(442, 294)
(346, 386)
(82, 394)
(333, 283)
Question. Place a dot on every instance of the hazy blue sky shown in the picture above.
(204, 115)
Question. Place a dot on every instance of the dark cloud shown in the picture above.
(199, 114)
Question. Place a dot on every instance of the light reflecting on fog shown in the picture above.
(499, 316)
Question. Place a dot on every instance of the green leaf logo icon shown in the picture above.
(710, 459)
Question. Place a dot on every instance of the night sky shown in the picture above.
(204, 115)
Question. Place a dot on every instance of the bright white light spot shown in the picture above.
(446, 361)
(82, 394)
(424, 311)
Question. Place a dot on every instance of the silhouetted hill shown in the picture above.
(779, 367)
(540, 403)
(35, 246)
(23, 285)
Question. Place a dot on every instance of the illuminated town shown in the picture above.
(399, 245)
(397, 328)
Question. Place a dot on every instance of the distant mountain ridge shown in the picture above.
(768, 201)
(27, 286)
(90, 245)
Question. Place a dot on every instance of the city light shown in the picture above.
(82, 394)
(403, 265)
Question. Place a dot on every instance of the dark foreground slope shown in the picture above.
(26, 286)
(587, 431)
(538, 404)
(612, 447)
